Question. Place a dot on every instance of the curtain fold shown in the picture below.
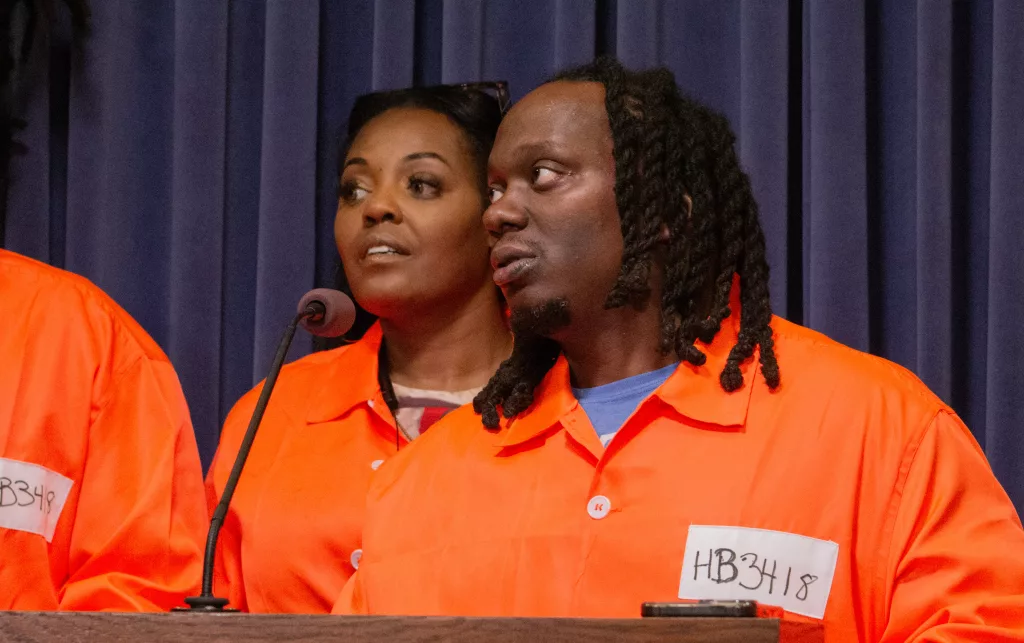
(835, 173)
(462, 41)
(244, 107)
(198, 189)
(764, 109)
(286, 219)
(1005, 377)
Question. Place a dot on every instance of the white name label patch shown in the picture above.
(790, 571)
(31, 497)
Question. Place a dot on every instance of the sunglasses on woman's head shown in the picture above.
(498, 89)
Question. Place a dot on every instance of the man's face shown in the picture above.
(553, 212)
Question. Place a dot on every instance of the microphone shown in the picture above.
(323, 312)
(334, 312)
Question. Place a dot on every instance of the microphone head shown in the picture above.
(339, 313)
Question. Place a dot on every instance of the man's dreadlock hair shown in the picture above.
(675, 166)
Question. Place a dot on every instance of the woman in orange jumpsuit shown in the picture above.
(431, 331)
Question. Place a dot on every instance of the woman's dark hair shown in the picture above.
(668, 148)
(476, 113)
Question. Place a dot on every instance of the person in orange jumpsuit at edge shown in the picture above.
(101, 489)
(415, 256)
(657, 435)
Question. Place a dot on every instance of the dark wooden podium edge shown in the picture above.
(52, 627)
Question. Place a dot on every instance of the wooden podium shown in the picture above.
(56, 627)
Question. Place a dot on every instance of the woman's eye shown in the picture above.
(544, 177)
(494, 193)
(352, 193)
(424, 188)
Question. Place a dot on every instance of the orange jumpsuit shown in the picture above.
(850, 495)
(292, 535)
(101, 497)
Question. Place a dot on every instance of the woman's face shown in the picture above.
(408, 225)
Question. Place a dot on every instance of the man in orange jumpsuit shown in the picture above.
(101, 492)
(657, 435)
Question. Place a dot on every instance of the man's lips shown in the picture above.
(511, 261)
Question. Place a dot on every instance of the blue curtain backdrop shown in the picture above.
(185, 160)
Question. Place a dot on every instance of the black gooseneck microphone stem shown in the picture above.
(206, 601)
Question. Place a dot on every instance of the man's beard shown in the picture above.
(541, 320)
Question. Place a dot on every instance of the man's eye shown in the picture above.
(494, 193)
(544, 177)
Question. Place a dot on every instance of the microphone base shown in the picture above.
(205, 604)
